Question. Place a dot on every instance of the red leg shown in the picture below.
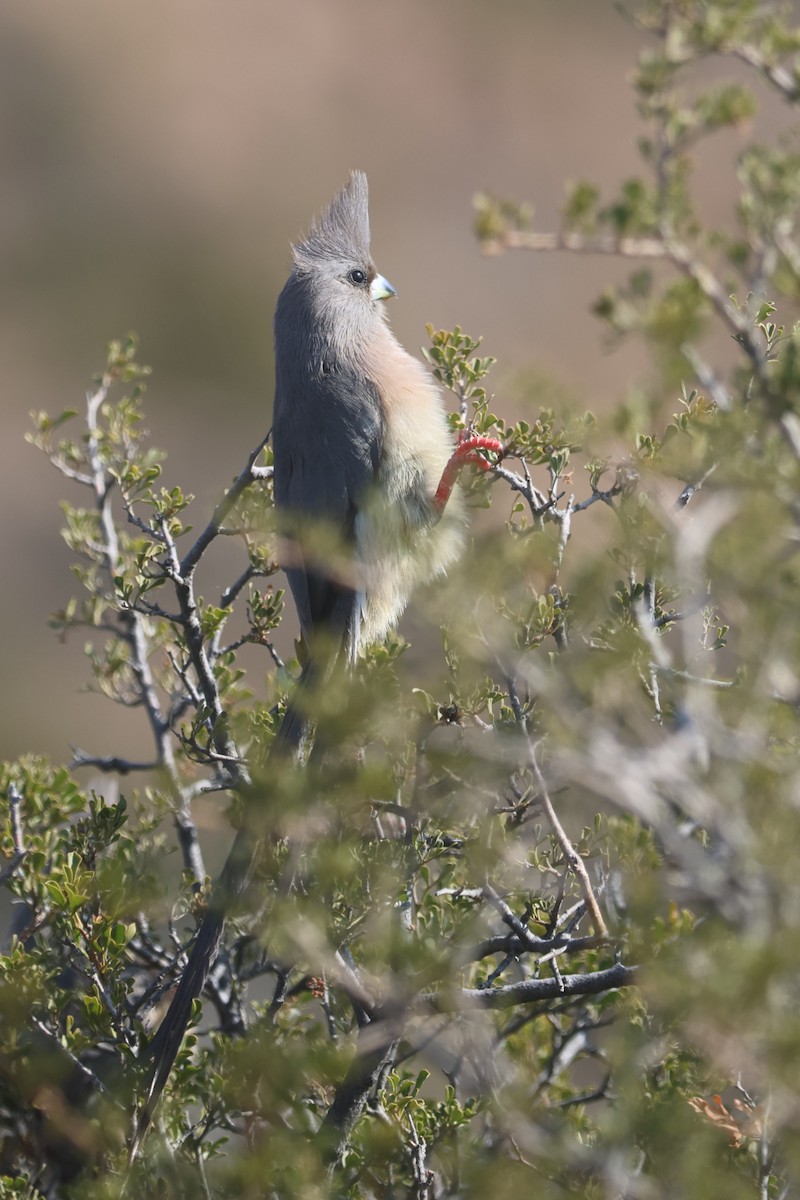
(465, 453)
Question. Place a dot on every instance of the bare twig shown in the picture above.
(691, 489)
(570, 853)
(120, 766)
(248, 475)
(574, 860)
(660, 246)
(95, 1082)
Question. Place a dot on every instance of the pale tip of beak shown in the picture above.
(381, 289)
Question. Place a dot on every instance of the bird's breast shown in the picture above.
(400, 539)
(417, 440)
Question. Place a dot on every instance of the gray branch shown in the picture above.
(528, 991)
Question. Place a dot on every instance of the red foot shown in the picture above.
(465, 454)
(467, 450)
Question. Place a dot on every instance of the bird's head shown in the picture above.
(333, 262)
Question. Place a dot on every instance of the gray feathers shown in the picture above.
(341, 233)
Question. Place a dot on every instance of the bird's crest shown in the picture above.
(341, 231)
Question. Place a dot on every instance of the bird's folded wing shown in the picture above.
(328, 442)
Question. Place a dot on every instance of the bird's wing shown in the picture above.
(328, 439)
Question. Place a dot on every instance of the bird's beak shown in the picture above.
(381, 289)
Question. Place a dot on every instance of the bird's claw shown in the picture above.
(467, 453)
(468, 448)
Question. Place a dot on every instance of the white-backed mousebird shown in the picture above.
(363, 450)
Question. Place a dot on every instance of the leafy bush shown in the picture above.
(530, 922)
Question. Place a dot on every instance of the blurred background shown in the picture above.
(158, 158)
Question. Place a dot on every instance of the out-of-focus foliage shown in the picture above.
(532, 922)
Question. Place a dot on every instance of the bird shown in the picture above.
(362, 447)
(364, 455)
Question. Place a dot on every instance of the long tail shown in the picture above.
(228, 890)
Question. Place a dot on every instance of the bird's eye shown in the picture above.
(357, 277)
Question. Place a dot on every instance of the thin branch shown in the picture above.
(576, 243)
(656, 247)
(606, 497)
(248, 475)
(790, 425)
(703, 680)
(189, 841)
(182, 578)
(707, 378)
(537, 501)
(781, 79)
(520, 930)
(599, 1093)
(103, 485)
(570, 853)
(232, 591)
(510, 943)
(17, 837)
(691, 489)
(120, 766)
(70, 472)
(94, 1081)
